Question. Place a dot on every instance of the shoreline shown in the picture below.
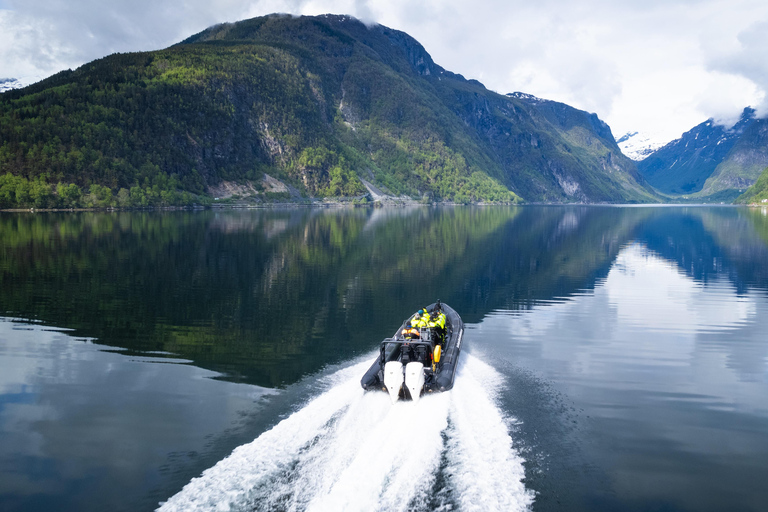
(260, 206)
(341, 205)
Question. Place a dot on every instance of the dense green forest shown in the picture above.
(318, 103)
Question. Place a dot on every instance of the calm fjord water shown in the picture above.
(623, 353)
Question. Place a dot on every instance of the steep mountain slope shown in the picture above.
(711, 162)
(316, 102)
(757, 193)
(743, 164)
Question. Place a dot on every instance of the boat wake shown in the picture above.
(347, 450)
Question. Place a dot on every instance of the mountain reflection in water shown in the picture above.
(631, 339)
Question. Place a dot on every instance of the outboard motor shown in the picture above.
(406, 353)
(421, 353)
(414, 379)
(393, 379)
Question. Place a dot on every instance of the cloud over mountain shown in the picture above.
(748, 60)
(659, 66)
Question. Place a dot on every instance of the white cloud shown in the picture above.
(654, 65)
(746, 61)
(726, 95)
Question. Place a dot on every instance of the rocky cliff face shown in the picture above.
(547, 150)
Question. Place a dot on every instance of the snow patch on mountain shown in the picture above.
(526, 97)
(639, 145)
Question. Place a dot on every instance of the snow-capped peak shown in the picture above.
(526, 97)
(637, 146)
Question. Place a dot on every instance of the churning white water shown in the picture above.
(348, 450)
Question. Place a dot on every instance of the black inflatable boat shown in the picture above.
(409, 366)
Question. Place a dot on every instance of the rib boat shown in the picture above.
(408, 367)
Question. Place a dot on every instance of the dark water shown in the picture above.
(631, 344)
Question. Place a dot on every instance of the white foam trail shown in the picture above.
(227, 485)
(484, 469)
(347, 450)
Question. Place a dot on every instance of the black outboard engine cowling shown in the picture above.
(406, 354)
(422, 354)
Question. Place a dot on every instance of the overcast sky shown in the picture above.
(658, 66)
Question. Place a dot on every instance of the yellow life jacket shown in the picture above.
(420, 321)
(441, 320)
(438, 321)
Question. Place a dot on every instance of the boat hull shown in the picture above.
(444, 374)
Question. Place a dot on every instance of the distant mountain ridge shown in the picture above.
(711, 162)
(323, 104)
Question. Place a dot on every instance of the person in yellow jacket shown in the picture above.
(437, 322)
(419, 320)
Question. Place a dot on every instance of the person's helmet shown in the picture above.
(421, 311)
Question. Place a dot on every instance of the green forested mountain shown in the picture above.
(315, 105)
